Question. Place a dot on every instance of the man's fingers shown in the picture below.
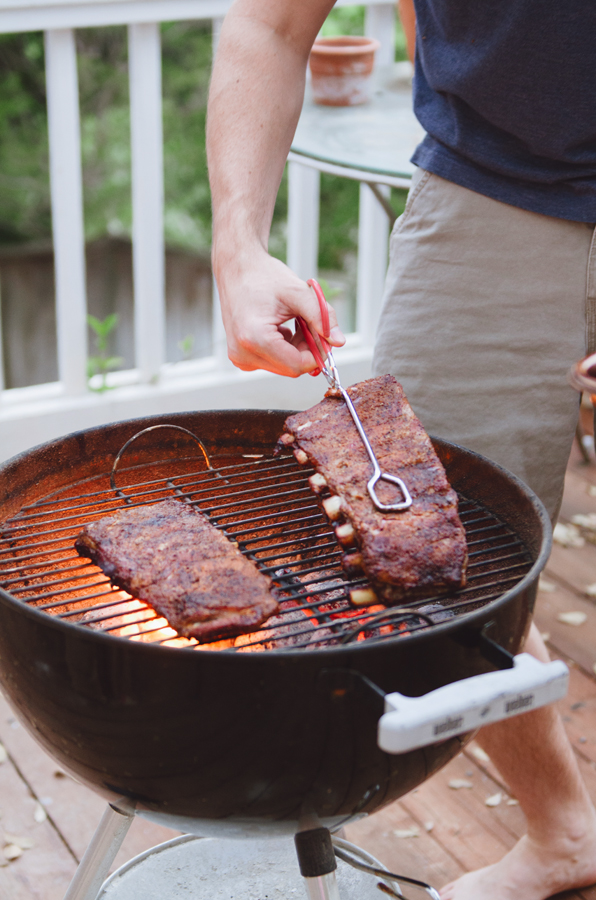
(312, 314)
(335, 337)
(256, 311)
(280, 353)
(300, 342)
(290, 358)
(287, 333)
(323, 305)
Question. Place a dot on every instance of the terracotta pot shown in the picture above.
(341, 68)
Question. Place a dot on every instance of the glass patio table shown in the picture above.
(371, 143)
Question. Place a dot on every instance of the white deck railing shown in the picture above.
(34, 414)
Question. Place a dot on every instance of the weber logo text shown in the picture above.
(521, 702)
(448, 725)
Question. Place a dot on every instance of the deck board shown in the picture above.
(576, 643)
(455, 829)
(43, 871)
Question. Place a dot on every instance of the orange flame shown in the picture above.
(150, 630)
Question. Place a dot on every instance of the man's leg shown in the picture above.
(483, 316)
(559, 850)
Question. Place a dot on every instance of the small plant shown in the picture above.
(186, 345)
(102, 362)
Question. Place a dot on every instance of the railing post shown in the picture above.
(67, 208)
(144, 61)
(373, 235)
(379, 23)
(303, 219)
(373, 224)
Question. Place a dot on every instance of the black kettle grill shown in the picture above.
(240, 735)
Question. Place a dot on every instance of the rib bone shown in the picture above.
(363, 597)
(416, 552)
(352, 563)
(332, 507)
(318, 482)
(345, 534)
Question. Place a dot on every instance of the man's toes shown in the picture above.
(446, 893)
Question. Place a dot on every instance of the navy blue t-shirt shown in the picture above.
(506, 91)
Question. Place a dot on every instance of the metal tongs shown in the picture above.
(329, 370)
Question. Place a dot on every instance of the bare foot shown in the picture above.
(531, 871)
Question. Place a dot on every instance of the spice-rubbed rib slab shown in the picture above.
(416, 552)
(171, 557)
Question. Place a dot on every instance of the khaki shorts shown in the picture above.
(486, 307)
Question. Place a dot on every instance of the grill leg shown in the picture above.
(316, 858)
(322, 888)
(99, 855)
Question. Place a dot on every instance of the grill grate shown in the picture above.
(264, 504)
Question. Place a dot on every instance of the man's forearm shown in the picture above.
(255, 101)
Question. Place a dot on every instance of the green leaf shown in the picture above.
(112, 362)
(103, 327)
(186, 345)
(329, 292)
(109, 323)
(94, 324)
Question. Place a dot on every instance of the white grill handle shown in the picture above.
(412, 722)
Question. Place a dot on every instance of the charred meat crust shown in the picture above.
(171, 557)
(411, 553)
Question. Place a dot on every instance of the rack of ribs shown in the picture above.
(413, 553)
(171, 557)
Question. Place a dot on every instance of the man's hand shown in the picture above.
(255, 100)
(257, 300)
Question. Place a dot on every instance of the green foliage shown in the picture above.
(344, 20)
(350, 20)
(102, 362)
(338, 220)
(102, 329)
(105, 133)
(186, 59)
(24, 181)
(401, 48)
(186, 346)
(103, 75)
(277, 238)
(105, 130)
(328, 291)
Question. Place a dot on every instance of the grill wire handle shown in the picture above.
(139, 434)
(317, 849)
(329, 370)
(360, 859)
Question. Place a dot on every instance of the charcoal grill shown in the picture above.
(242, 736)
(264, 504)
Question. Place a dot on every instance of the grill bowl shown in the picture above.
(240, 741)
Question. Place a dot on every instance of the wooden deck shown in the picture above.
(434, 833)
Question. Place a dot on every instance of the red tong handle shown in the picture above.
(308, 337)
